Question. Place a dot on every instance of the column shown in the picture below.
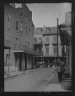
(32, 62)
(27, 61)
(66, 56)
(70, 58)
(23, 62)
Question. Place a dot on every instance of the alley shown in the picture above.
(32, 81)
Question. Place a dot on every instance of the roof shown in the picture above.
(51, 30)
(38, 31)
(47, 31)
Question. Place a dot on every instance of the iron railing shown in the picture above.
(27, 49)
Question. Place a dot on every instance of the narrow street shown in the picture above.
(32, 81)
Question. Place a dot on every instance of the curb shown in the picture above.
(24, 72)
(19, 74)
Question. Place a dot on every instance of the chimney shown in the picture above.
(23, 5)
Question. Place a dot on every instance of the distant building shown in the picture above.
(38, 43)
(48, 37)
(19, 36)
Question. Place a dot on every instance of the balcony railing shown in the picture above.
(23, 47)
(27, 49)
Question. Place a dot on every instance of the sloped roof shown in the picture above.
(51, 30)
(38, 31)
(41, 31)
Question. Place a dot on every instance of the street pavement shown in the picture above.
(32, 81)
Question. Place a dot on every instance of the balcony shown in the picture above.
(25, 48)
(28, 50)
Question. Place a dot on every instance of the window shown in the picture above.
(21, 25)
(26, 18)
(47, 49)
(16, 42)
(26, 43)
(17, 23)
(55, 50)
(26, 30)
(47, 39)
(21, 14)
(55, 39)
(9, 20)
(35, 40)
(40, 39)
(29, 29)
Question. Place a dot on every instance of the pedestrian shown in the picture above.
(58, 68)
(63, 71)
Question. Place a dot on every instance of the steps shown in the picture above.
(67, 84)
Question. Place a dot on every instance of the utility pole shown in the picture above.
(9, 58)
(57, 41)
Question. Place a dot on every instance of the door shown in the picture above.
(25, 61)
(20, 62)
(7, 59)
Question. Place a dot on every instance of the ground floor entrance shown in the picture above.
(23, 61)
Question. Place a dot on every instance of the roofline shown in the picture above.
(50, 34)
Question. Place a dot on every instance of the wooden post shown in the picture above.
(57, 41)
(9, 57)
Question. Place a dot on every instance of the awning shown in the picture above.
(15, 51)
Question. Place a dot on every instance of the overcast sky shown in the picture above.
(47, 13)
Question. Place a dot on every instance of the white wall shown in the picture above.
(51, 49)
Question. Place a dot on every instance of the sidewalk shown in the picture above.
(59, 87)
(54, 87)
(16, 73)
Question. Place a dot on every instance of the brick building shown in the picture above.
(18, 35)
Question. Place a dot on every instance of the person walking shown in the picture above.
(59, 72)
(63, 71)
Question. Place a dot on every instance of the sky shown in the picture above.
(47, 13)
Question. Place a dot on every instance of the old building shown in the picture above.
(50, 44)
(18, 35)
(48, 36)
(38, 44)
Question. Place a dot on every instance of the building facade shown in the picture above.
(18, 35)
(38, 44)
(48, 35)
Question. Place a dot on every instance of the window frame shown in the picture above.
(9, 21)
(55, 50)
(17, 23)
(47, 49)
(55, 39)
(47, 39)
